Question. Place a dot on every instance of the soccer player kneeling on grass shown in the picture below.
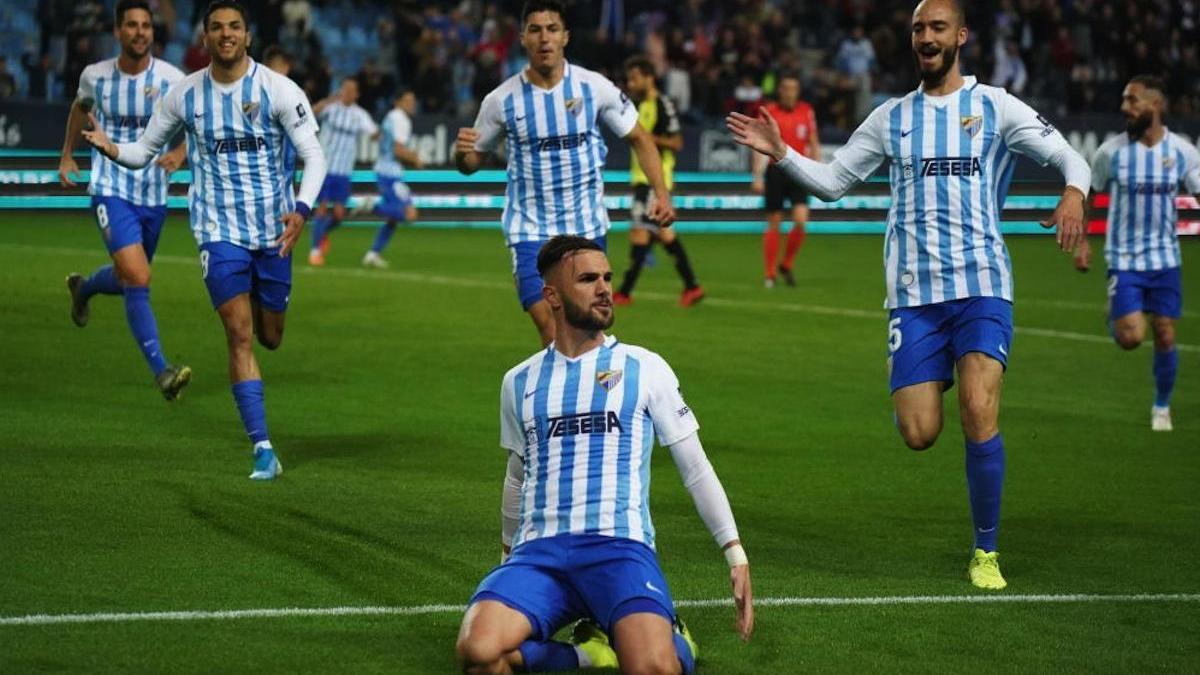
(245, 214)
(578, 420)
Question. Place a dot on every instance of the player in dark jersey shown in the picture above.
(656, 114)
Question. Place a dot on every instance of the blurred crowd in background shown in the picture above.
(1063, 56)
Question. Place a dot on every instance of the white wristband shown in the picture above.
(736, 555)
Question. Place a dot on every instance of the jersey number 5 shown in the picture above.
(895, 337)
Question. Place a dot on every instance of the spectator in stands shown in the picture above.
(374, 87)
(296, 12)
(41, 73)
(1010, 69)
(855, 59)
(196, 57)
(8, 84)
(677, 85)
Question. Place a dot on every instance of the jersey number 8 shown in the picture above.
(102, 216)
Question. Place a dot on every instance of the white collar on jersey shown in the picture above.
(566, 74)
(968, 83)
(121, 73)
(225, 88)
(609, 342)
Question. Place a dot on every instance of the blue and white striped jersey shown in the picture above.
(396, 128)
(1143, 182)
(585, 429)
(123, 104)
(951, 161)
(237, 139)
(341, 125)
(555, 151)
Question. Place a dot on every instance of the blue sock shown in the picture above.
(985, 482)
(549, 656)
(143, 326)
(320, 225)
(384, 236)
(686, 659)
(1165, 365)
(103, 280)
(249, 397)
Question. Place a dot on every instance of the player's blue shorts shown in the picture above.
(394, 198)
(925, 342)
(335, 189)
(529, 282)
(557, 580)
(123, 223)
(230, 270)
(1159, 292)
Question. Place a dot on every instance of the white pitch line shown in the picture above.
(440, 280)
(420, 610)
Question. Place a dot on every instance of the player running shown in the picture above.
(130, 205)
(549, 115)
(656, 114)
(798, 127)
(342, 121)
(244, 212)
(395, 198)
(1142, 170)
(578, 420)
(949, 145)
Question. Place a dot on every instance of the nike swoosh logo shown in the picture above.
(986, 530)
(1003, 350)
(904, 134)
(518, 119)
(199, 115)
(651, 587)
(530, 394)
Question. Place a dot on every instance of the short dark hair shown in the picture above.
(789, 75)
(276, 52)
(226, 4)
(641, 64)
(1150, 82)
(560, 247)
(555, 6)
(126, 5)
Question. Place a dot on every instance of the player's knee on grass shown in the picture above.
(1164, 333)
(480, 655)
(645, 645)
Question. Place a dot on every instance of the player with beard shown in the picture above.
(949, 145)
(130, 205)
(1142, 170)
(578, 421)
(245, 213)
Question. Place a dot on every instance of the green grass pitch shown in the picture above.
(382, 403)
